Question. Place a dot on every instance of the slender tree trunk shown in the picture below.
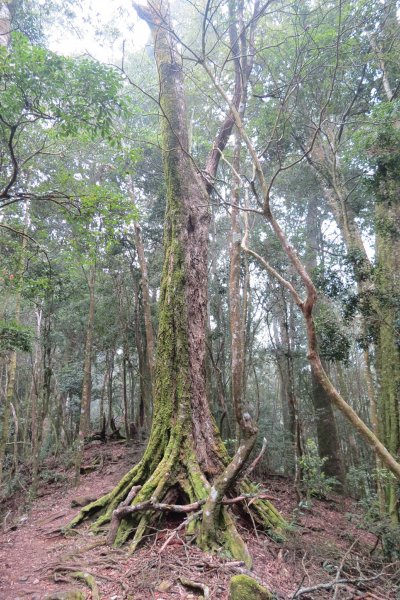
(144, 400)
(150, 353)
(84, 422)
(238, 308)
(36, 399)
(290, 408)
(110, 381)
(235, 304)
(125, 399)
(16, 434)
(217, 343)
(103, 392)
(123, 320)
(327, 434)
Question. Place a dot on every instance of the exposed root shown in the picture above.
(116, 518)
(148, 490)
(196, 586)
(89, 580)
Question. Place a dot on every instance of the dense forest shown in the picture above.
(200, 277)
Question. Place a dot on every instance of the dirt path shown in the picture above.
(31, 547)
(36, 562)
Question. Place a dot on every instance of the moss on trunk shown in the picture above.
(387, 217)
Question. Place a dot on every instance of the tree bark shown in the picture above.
(293, 441)
(388, 350)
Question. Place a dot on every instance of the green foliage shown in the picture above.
(389, 535)
(379, 140)
(329, 282)
(15, 337)
(334, 344)
(314, 480)
(75, 94)
(52, 476)
(371, 518)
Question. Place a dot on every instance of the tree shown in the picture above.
(185, 458)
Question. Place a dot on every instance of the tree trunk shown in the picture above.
(84, 422)
(150, 353)
(388, 350)
(125, 398)
(185, 459)
(110, 381)
(36, 399)
(237, 318)
(145, 400)
(293, 441)
(327, 434)
(123, 324)
(217, 344)
(103, 393)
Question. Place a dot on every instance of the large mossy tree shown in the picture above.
(185, 460)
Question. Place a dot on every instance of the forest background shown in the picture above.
(289, 127)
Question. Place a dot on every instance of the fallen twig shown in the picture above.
(339, 571)
(5, 529)
(330, 584)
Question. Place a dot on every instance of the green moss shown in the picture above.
(387, 339)
(265, 513)
(243, 587)
(234, 542)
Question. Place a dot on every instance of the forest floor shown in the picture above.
(324, 545)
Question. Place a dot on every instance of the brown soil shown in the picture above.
(36, 560)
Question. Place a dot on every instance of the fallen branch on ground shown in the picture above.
(124, 510)
(330, 584)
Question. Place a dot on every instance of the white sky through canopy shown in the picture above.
(100, 29)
